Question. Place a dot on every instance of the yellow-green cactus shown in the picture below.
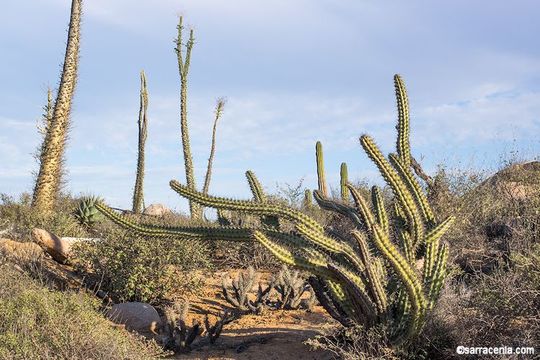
(366, 277)
(138, 193)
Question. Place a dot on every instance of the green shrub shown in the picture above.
(132, 268)
(37, 323)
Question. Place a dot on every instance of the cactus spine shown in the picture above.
(183, 69)
(138, 194)
(366, 277)
(51, 159)
(219, 111)
(344, 179)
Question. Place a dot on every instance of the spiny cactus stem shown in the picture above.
(138, 192)
(219, 111)
(320, 169)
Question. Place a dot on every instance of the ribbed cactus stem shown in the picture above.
(320, 169)
(138, 194)
(219, 111)
(344, 179)
(308, 198)
(403, 142)
(183, 68)
(50, 172)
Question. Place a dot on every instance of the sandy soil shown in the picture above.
(275, 334)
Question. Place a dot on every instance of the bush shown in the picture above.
(19, 217)
(132, 268)
(37, 323)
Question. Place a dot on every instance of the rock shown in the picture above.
(58, 248)
(157, 210)
(516, 182)
(136, 316)
(23, 251)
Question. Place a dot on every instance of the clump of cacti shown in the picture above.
(51, 158)
(86, 212)
(387, 270)
(179, 337)
(138, 194)
(236, 291)
(291, 287)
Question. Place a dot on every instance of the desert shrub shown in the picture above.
(133, 268)
(38, 323)
(357, 343)
(20, 218)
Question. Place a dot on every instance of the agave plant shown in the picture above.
(86, 212)
(387, 270)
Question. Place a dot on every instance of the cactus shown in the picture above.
(52, 153)
(219, 111)
(86, 213)
(241, 286)
(369, 276)
(138, 197)
(344, 179)
(320, 168)
(178, 337)
(308, 199)
(183, 69)
(291, 287)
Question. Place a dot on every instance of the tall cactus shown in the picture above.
(138, 193)
(369, 276)
(219, 111)
(344, 179)
(320, 168)
(51, 159)
(183, 69)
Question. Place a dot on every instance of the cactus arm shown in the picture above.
(246, 206)
(362, 207)
(439, 274)
(406, 275)
(321, 292)
(380, 211)
(138, 197)
(256, 187)
(375, 286)
(403, 143)
(313, 265)
(308, 198)
(320, 169)
(414, 188)
(396, 183)
(344, 179)
(432, 244)
(208, 177)
(187, 232)
(339, 208)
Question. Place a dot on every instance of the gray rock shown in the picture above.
(136, 316)
(157, 210)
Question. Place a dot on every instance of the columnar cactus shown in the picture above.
(344, 179)
(219, 111)
(51, 159)
(320, 168)
(372, 275)
(183, 69)
(138, 194)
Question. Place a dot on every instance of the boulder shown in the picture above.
(157, 210)
(516, 182)
(136, 316)
(22, 251)
(55, 246)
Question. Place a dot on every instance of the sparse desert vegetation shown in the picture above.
(412, 269)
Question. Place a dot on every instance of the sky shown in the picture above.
(292, 71)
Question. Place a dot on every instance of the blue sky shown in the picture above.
(293, 72)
